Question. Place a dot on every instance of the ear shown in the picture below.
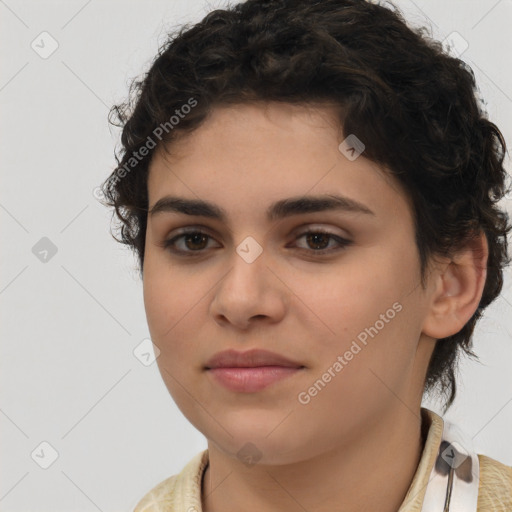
(458, 286)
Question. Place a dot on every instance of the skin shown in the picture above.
(365, 424)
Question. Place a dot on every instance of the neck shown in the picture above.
(372, 472)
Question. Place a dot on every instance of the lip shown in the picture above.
(250, 371)
(249, 359)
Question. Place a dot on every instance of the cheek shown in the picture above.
(168, 296)
(175, 302)
(354, 297)
(171, 305)
(371, 314)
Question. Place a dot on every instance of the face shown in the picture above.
(336, 291)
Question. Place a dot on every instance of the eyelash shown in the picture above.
(169, 244)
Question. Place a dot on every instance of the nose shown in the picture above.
(250, 292)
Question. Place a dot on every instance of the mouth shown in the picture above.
(251, 371)
(253, 379)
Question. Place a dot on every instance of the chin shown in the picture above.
(255, 441)
(250, 451)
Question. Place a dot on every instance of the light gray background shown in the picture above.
(69, 325)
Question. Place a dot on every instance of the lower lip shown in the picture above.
(251, 380)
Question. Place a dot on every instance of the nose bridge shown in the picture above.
(249, 289)
(249, 250)
(248, 267)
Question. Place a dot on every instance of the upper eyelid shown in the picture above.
(302, 228)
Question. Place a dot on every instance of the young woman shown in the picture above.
(311, 189)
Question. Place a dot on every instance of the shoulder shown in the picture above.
(495, 488)
(177, 492)
(161, 497)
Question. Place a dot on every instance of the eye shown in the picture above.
(321, 238)
(195, 241)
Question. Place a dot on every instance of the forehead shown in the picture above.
(256, 153)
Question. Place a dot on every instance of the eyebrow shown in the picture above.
(278, 210)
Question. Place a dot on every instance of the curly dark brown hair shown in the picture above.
(414, 106)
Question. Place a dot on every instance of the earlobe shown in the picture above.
(459, 284)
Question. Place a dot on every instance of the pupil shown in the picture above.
(195, 238)
(315, 236)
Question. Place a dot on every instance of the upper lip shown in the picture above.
(249, 359)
